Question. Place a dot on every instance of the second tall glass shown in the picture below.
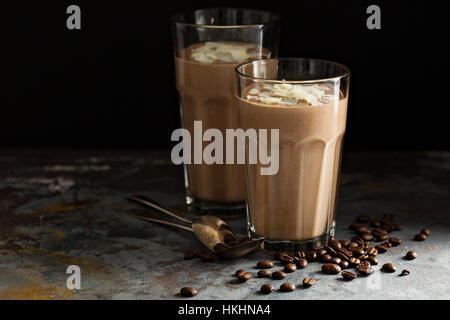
(208, 45)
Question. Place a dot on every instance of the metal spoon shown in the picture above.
(210, 230)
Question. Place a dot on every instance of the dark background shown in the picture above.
(111, 84)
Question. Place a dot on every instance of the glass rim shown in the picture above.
(273, 18)
(344, 74)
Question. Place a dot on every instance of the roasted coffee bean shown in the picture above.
(230, 240)
(362, 219)
(366, 236)
(382, 248)
(245, 240)
(326, 258)
(362, 229)
(352, 245)
(220, 246)
(354, 261)
(373, 261)
(378, 232)
(411, 255)
(397, 227)
(335, 260)
(264, 273)
(189, 255)
(358, 240)
(244, 277)
(287, 287)
(375, 223)
(365, 271)
(302, 263)
(420, 237)
(354, 226)
(267, 288)
(311, 256)
(357, 251)
(344, 243)
(331, 268)
(239, 272)
(330, 250)
(347, 275)
(366, 245)
(404, 272)
(300, 254)
(389, 227)
(336, 245)
(372, 251)
(332, 238)
(363, 257)
(285, 258)
(364, 264)
(388, 267)
(425, 231)
(395, 241)
(264, 264)
(290, 267)
(343, 264)
(278, 275)
(321, 252)
(188, 292)
(382, 237)
(342, 256)
(277, 255)
(308, 282)
(203, 255)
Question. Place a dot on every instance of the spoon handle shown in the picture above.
(152, 204)
(176, 225)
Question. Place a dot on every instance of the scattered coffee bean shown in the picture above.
(203, 255)
(357, 251)
(302, 263)
(220, 246)
(287, 287)
(387, 244)
(344, 243)
(362, 230)
(389, 227)
(382, 248)
(358, 240)
(420, 237)
(244, 277)
(395, 241)
(364, 264)
(239, 273)
(308, 282)
(411, 255)
(343, 264)
(278, 275)
(300, 254)
(335, 260)
(290, 267)
(372, 251)
(388, 267)
(367, 236)
(267, 288)
(331, 268)
(425, 231)
(387, 217)
(397, 227)
(365, 271)
(330, 250)
(342, 256)
(347, 275)
(321, 252)
(188, 292)
(373, 261)
(352, 245)
(354, 261)
(264, 273)
(362, 219)
(285, 258)
(264, 264)
(336, 245)
(404, 272)
(326, 258)
(375, 223)
(189, 255)
(378, 232)
(382, 237)
(311, 256)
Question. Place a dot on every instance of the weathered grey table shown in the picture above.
(61, 208)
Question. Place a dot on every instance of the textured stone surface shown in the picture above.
(60, 208)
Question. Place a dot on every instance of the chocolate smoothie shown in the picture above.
(297, 203)
(206, 84)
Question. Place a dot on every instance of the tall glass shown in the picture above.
(208, 45)
(306, 100)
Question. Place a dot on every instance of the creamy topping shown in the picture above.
(292, 94)
(211, 52)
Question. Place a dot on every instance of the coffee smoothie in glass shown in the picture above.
(306, 100)
(209, 44)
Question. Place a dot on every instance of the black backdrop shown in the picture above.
(111, 84)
